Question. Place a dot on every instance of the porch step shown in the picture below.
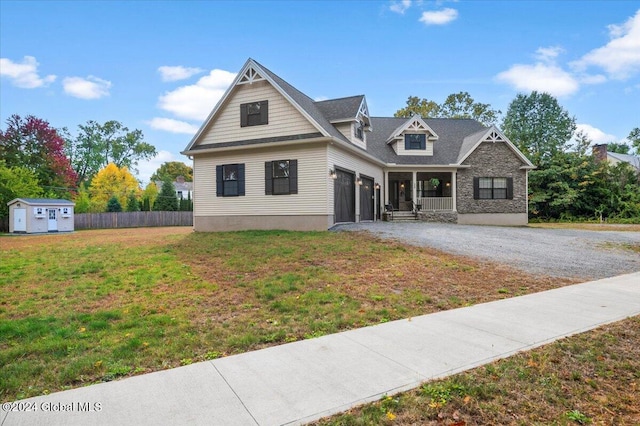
(403, 216)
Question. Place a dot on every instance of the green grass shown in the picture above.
(591, 378)
(98, 305)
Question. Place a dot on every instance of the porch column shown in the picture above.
(453, 189)
(386, 187)
(414, 187)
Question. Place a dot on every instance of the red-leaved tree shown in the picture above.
(32, 143)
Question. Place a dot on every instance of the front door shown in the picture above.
(345, 197)
(366, 199)
(53, 220)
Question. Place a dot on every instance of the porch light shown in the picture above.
(448, 184)
(377, 186)
(333, 174)
(402, 185)
(359, 181)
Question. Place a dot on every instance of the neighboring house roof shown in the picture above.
(453, 139)
(631, 159)
(178, 186)
(43, 201)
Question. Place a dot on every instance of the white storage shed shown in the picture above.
(39, 215)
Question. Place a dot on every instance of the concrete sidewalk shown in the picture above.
(303, 381)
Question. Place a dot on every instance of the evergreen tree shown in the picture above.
(113, 205)
(132, 203)
(167, 199)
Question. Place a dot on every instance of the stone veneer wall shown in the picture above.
(438, 216)
(492, 160)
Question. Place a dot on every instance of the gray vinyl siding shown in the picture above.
(284, 118)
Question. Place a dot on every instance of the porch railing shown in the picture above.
(435, 203)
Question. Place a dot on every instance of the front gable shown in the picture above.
(414, 137)
(255, 108)
(492, 135)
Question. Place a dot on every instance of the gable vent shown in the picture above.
(494, 137)
(250, 76)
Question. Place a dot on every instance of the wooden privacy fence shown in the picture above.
(132, 219)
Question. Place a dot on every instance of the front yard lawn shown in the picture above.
(94, 306)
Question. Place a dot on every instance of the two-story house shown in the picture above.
(270, 157)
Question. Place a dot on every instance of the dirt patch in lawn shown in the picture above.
(93, 306)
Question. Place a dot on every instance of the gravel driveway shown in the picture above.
(556, 252)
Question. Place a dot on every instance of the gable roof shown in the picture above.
(252, 71)
(492, 134)
(631, 159)
(457, 138)
(415, 121)
(451, 133)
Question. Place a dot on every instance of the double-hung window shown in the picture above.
(281, 177)
(254, 113)
(492, 188)
(230, 180)
(415, 142)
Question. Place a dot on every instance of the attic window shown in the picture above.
(254, 113)
(415, 141)
(359, 130)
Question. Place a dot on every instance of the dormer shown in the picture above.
(414, 137)
(350, 116)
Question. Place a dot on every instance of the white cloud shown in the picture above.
(195, 102)
(548, 54)
(175, 73)
(620, 58)
(86, 88)
(440, 17)
(148, 167)
(173, 126)
(596, 135)
(542, 77)
(25, 74)
(400, 6)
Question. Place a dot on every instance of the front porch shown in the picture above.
(416, 191)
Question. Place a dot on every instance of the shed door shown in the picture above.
(345, 197)
(53, 220)
(19, 220)
(366, 199)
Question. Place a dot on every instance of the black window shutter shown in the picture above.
(241, 179)
(264, 112)
(293, 176)
(243, 115)
(268, 181)
(510, 188)
(476, 188)
(219, 182)
(407, 144)
(423, 142)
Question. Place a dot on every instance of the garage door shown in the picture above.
(345, 197)
(366, 199)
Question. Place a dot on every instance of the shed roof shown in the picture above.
(42, 201)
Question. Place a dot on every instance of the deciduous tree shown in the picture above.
(538, 125)
(32, 143)
(173, 169)
(457, 105)
(97, 145)
(16, 182)
(112, 181)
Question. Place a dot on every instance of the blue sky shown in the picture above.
(161, 66)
